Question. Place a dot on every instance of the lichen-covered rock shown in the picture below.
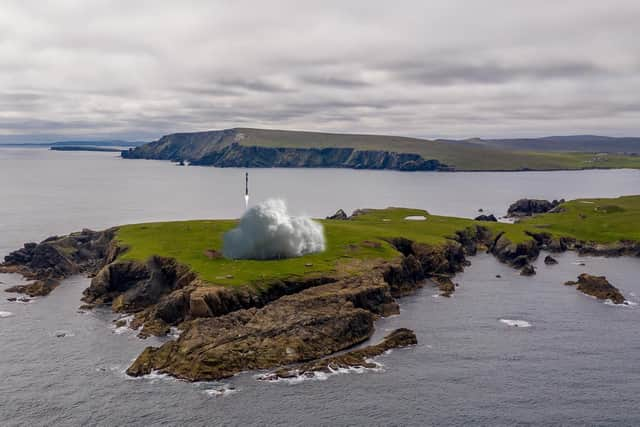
(311, 324)
(599, 287)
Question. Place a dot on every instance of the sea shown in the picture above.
(507, 350)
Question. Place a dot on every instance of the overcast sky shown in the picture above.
(141, 69)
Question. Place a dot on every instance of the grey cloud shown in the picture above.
(438, 68)
(437, 73)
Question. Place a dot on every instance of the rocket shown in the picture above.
(246, 190)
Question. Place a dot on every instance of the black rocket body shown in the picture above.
(246, 184)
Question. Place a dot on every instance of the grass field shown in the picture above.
(363, 238)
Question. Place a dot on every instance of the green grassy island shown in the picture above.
(366, 236)
(238, 315)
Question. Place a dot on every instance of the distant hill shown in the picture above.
(573, 143)
(246, 147)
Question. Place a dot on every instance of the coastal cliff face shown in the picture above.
(225, 149)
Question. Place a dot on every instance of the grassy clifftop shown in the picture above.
(352, 242)
(247, 147)
(461, 154)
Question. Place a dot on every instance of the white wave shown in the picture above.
(625, 304)
(124, 328)
(578, 262)
(516, 323)
(5, 314)
(224, 390)
(321, 375)
(21, 299)
(174, 333)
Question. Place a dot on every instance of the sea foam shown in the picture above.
(516, 323)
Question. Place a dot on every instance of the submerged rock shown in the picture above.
(599, 287)
(38, 288)
(446, 286)
(528, 270)
(549, 260)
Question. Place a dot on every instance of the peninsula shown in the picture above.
(238, 315)
(245, 147)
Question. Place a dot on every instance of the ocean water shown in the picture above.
(572, 360)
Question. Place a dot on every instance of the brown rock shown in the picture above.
(357, 358)
(38, 288)
(310, 324)
(599, 287)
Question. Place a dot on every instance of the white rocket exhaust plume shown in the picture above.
(266, 231)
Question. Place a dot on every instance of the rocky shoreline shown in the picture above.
(227, 330)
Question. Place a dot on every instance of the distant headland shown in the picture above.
(260, 148)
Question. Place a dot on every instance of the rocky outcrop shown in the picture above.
(518, 255)
(549, 260)
(56, 258)
(445, 284)
(340, 214)
(488, 218)
(359, 358)
(599, 287)
(528, 207)
(222, 149)
(304, 326)
(39, 288)
(131, 286)
(312, 323)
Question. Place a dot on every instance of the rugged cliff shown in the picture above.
(237, 155)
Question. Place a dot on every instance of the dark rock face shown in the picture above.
(517, 255)
(340, 215)
(357, 358)
(599, 287)
(490, 218)
(528, 207)
(222, 150)
(549, 260)
(56, 258)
